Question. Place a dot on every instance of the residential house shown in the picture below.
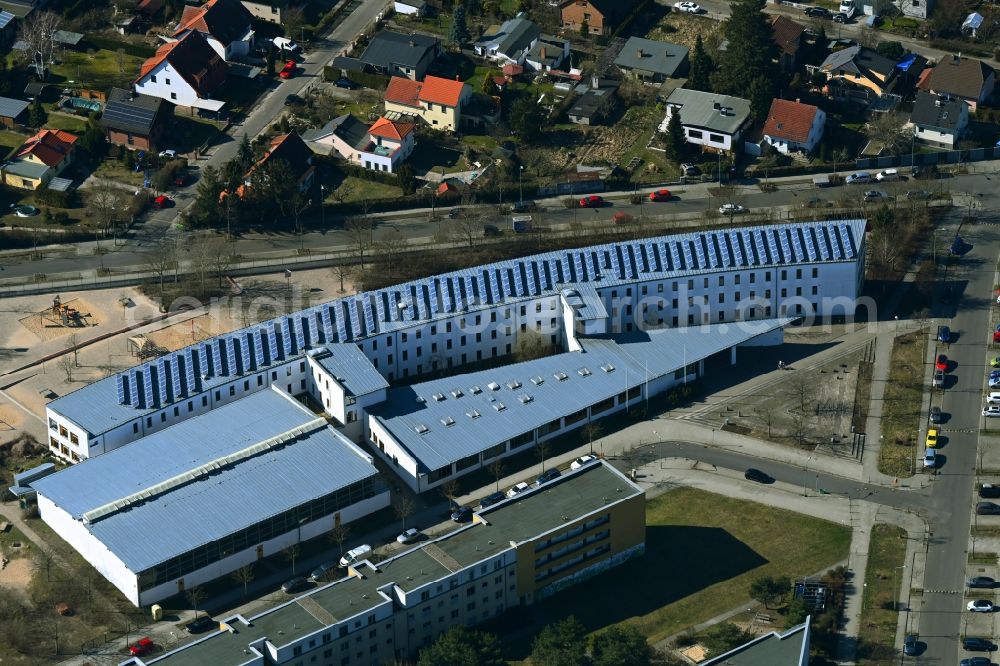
(270, 11)
(342, 135)
(13, 112)
(8, 29)
(595, 102)
(135, 121)
(185, 72)
(652, 61)
(416, 8)
(508, 43)
(396, 54)
(382, 146)
(775, 648)
(291, 149)
(44, 92)
(40, 159)
(225, 25)
(794, 126)
(148, 9)
(438, 102)
(601, 17)
(965, 78)
(548, 53)
(859, 74)
(714, 121)
(788, 36)
(939, 120)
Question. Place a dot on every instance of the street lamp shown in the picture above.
(322, 204)
(895, 590)
(520, 189)
(499, 163)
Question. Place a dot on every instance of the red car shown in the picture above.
(660, 195)
(144, 646)
(941, 363)
(162, 202)
(593, 201)
(288, 70)
(180, 180)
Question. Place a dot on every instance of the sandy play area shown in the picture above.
(46, 324)
(16, 575)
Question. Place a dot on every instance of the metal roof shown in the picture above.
(12, 108)
(159, 496)
(776, 648)
(511, 38)
(650, 55)
(530, 515)
(351, 368)
(720, 113)
(111, 402)
(444, 420)
(5, 19)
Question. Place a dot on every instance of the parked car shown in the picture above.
(592, 201)
(976, 661)
(931, 441)
(886, 175)
(355, 555)
(991, 411)
(995, 362)
(753, 474)
(319, 572)
(292, 98)
(688, 7)
(690, 170)
(918, 195)
(944, 334)
(201, 624)
(293, 585)
(911, 646)
(409, 536)
(581, 461)
(288, 71)
(930, 458)
(141, 647)
(345, 83)
(981, 582)
(455, 213)
(976, 644)
(989, 490)
(491, 499)
(987, 509)
(660, 195)
(817, 12)
(840, 17)
(490, 230)
(858, 177)
(462, 514)
(875, 195)
(285, 44)
(622, 218)
(938, 380)
(941, 362)
(546, 476)
(994, 381)
(517, 489)
(731, 209)
(162, 202)
(936, 415)
(170, 152)
(980, 605)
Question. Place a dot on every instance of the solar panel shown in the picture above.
(434, 296)
(470, 291)
(218, 356)
(688, 259)
(521, 285)
(178, 378)
(699, 250)
(149, 386)
(786, 250)
(616, 263)
(763, 248)
(128, 117)
(163, 379)
(553, 273)
(300, 333)
(505, 281)
(578, 266)
(531, 277)
(800, 254)
(565, 268)
(447, 296)
(381, 306)
(838, 248)
(677, 262)
(123, 396)
(233, 356)
(191, 370)
(137, 390)
(713, 256)
(423, 301)
(369, 315)
(629, 260)
(825, 246)
(341, 323)
(845, 235)
(274, 343)
(287, 336)
(205, 364)
(734, 248)
(493, 284)
(247, 351)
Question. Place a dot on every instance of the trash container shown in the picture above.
(157, 612)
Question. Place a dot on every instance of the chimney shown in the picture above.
(798, 100)
(638, 53)
(412, 43)
(542, 53)
(716, 106)
(595, 82)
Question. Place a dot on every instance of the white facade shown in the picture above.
(785, 145)
(415, 9)
(164, 82)
(398, 152)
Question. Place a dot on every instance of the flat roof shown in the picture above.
(527, 516)
(11, 108)
(698, 109)
(787, 648)
(99, 407)
(351, 368)
(444, 420)
(206, 477)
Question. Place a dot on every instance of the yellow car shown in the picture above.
(932, 438)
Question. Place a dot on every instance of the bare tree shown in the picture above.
(799, 428)
(497, 469)
(222, 257)
(465, 229)
(160, 259)
(889, 130)
(299, 202)
(542, 449)
(390, 246)
(72, 345)
(593, 430)
(38, 34)
(530, 345)
(293, 18)
(767, 414)
(107, 203)
(292, 553)
(803, 389)
(339, 535)
(449, 490)
(342, 271)
(120, 60)
(195, 596)
(65, 363)
(244, 575)
(361, 231)
(404, 507)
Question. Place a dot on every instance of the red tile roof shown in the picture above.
(225, 20)
(790, 120)
(786, 33)
(50, 146)
(403, 91)
(194, 60)
(388, 129)
(441, 91)
(290, 148)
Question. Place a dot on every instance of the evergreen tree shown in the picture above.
(459, 33)
(751, 53)
(761, 94)
(526, 119)
(206, 208)
(271, 57)
(622, 646)
(244, 154)
(561, 644)
(462, 647)
(6, 80)
(36, 114)
(676, 141)
(93, 143)
(701, 68)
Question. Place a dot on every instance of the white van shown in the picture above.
(355, 555)
(848, 8)
(993, 398)
(887, 175)
(285, 44)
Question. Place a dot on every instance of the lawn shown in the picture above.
(66, 121)
(353, 189)
(98, 70)
(901, 405)
(702, 552)
(883, 578)
(8, 142)
(186, 134)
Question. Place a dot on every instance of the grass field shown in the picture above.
(702, 551)
(901, 405)
(883, 578)
(64, 121)
(8, 142)
(353, 189)
(98, 70)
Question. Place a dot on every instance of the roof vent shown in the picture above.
(513, 384)
(583, 372)
(607, 367)
(420, 428)
(537, 380)
(716, 105)
(438, 397)
(457, 393)
(473, 414)
(421, 399)
(475, 390)
(561, 376)
(448, 421)
(525, 398)
(493, 386)
(499, 406)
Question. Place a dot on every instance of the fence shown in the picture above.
(931, 159)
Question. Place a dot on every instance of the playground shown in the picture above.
(62, 318)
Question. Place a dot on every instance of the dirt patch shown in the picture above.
(684, 29)
(16, 575)
(48, 324)
(182, 334)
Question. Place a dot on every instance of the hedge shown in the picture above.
(137, 50)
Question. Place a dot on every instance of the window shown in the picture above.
(152, 79)
(173, 95)
(135, 428)
(716, 138)
(695, 134)
(815, 272)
